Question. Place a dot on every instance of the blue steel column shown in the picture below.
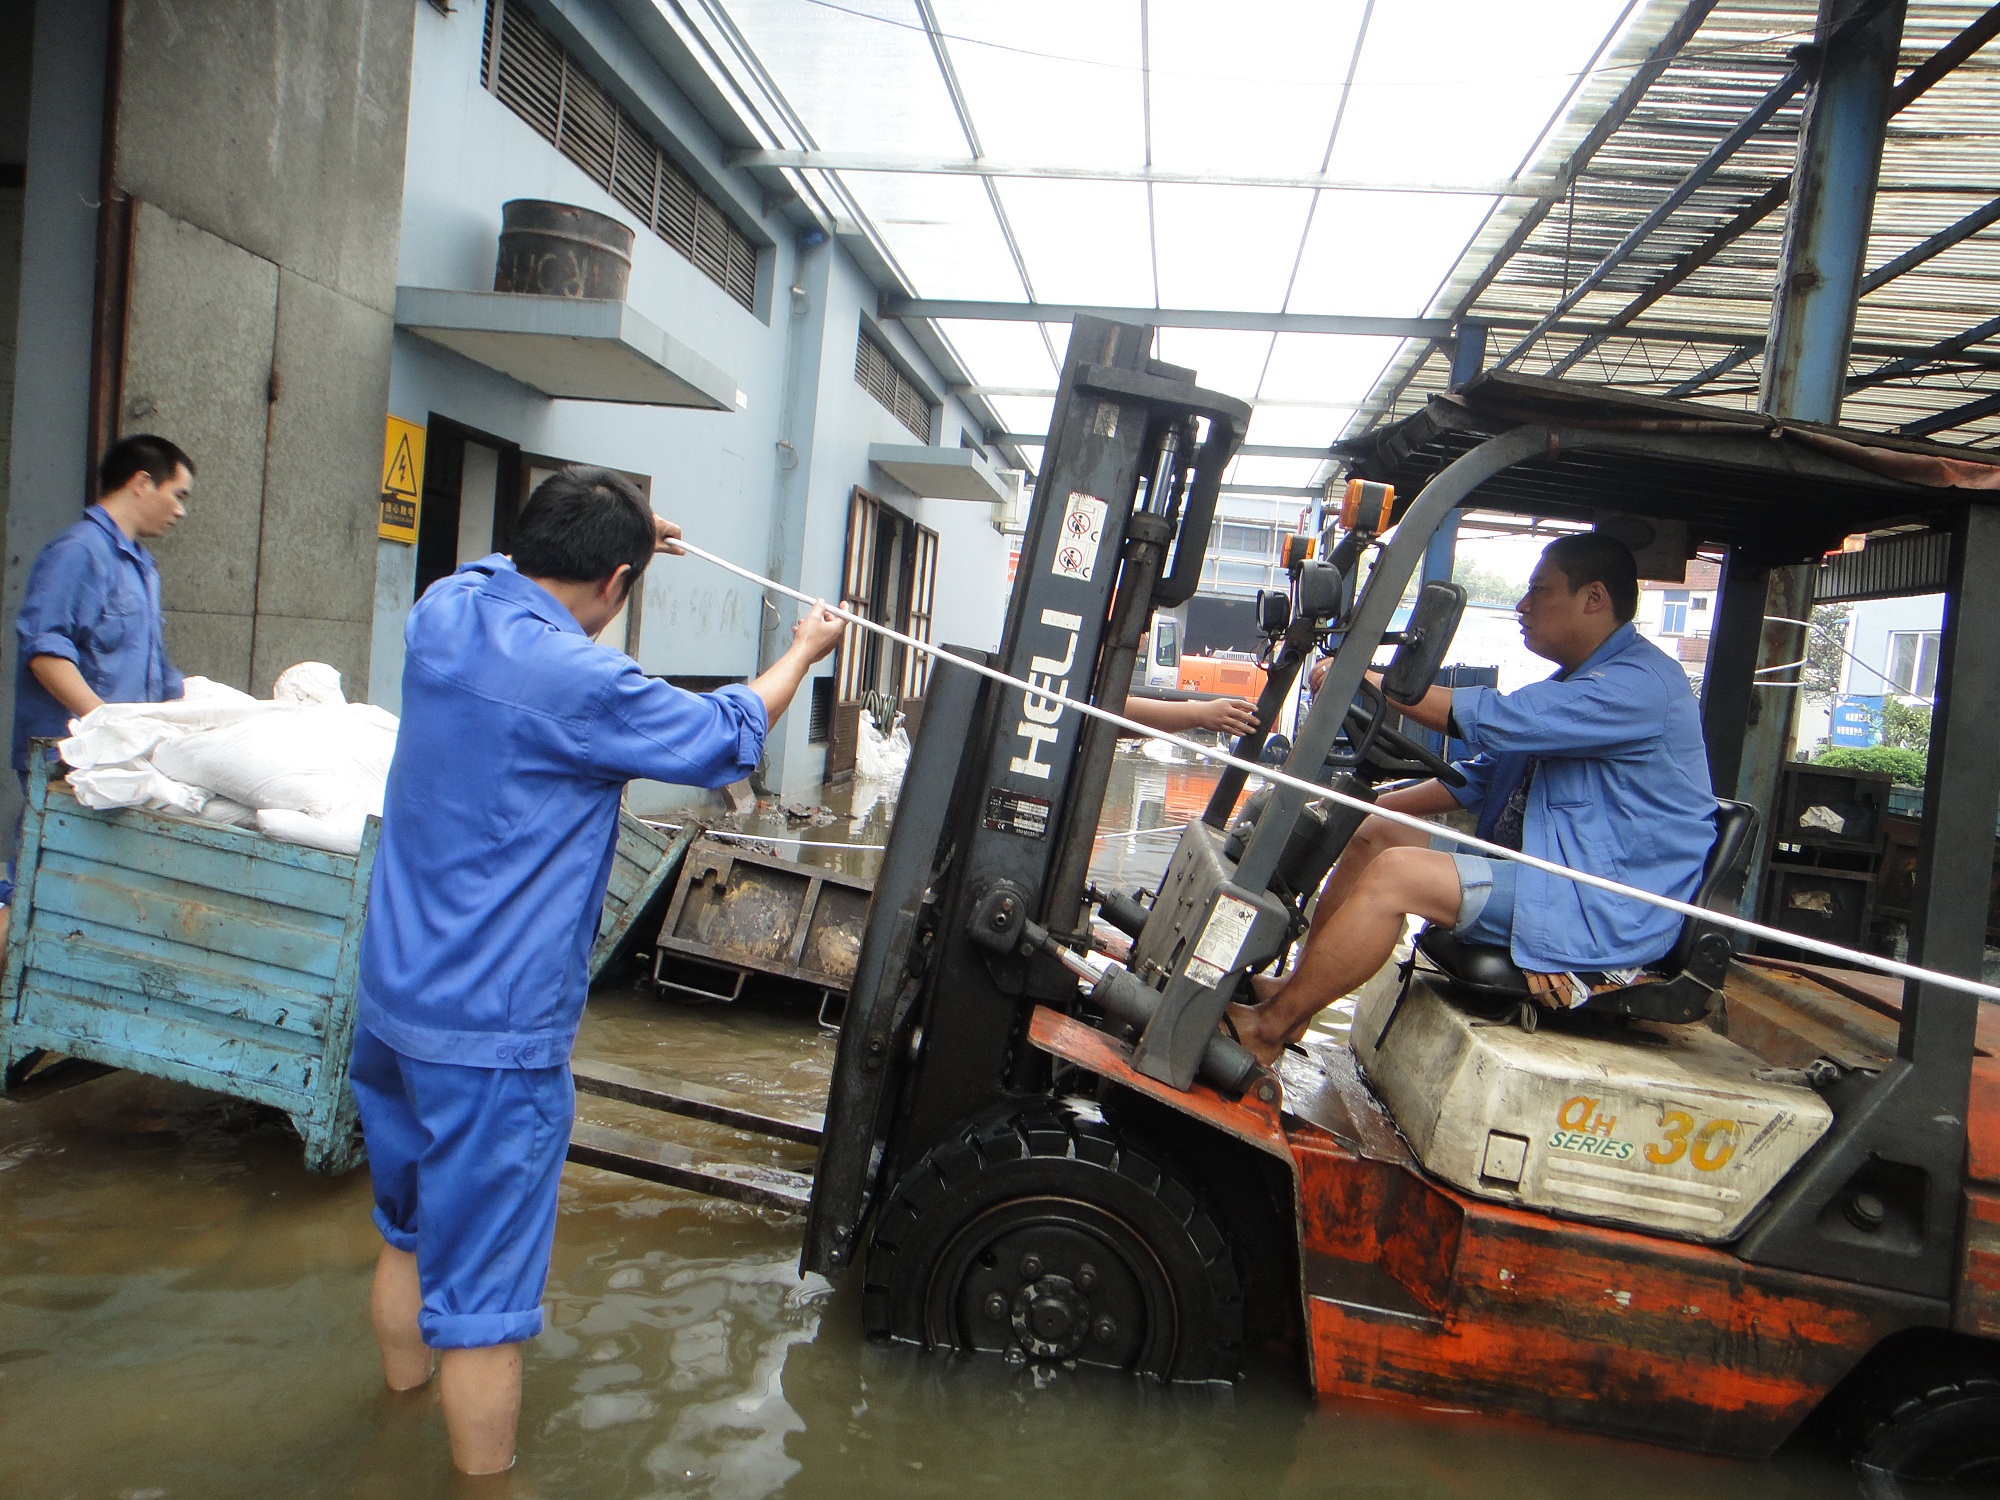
(1812, 319)
(1833, 204)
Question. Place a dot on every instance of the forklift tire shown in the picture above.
(1929, 1430)
(1047, 1236)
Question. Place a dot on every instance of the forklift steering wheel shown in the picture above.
(1393, 752)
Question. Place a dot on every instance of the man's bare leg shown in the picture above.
(393, 1304)
(1370, 841)
(1352, 944)
(482, 1405)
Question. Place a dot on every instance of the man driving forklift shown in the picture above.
(1601, 768)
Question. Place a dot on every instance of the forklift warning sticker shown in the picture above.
(1221, 940)
(1082, 530)
(1014, 812)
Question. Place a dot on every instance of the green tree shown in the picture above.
(1906, 726)
(1826, 652)
(1484, 586)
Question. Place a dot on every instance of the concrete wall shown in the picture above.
(767, 484)
(262, 145)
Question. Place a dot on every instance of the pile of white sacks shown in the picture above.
(305, 765)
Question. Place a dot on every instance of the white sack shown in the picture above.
(118, 733)
(304, 766)
(880, 757)
(308, 758)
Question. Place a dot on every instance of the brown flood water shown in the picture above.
(183, 1314)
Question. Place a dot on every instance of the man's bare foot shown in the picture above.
(1267, 986)
(1250, 1031)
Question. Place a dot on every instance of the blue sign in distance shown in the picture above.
(1857, 721)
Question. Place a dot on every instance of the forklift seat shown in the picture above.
(1680, 986)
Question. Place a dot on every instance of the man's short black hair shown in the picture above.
(580, 524)
(141, 453)
(1592, 557)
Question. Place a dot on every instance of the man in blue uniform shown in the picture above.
(1599, 768)
(89, 630)
(518, 735)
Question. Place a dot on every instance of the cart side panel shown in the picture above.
(212, 956)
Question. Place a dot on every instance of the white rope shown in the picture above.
(1881, 965)
(763, 838)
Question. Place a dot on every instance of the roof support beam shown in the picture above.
(1759, 210)
(1769, 105)
(1918, 82)
(1882, 275)
(1937, 244)
(1242, 322)
(982, 166)
(1636, 87)
(1943, 349)
(1248, 450)
(1958, 416)
(1920, 79)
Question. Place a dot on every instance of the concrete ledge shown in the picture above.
(571, 348)
(938, 473)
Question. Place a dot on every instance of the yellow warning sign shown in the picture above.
(402, 481)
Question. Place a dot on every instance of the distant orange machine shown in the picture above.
(1235, 676)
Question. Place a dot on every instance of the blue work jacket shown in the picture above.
(94, 599)
(501, 815)
(1621, 791)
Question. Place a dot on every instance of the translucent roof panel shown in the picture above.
(1228, 248)
(1257, 92)
(1383, 254)
(1083, 241)
(1049, 80)
(1460, 90)
(941, 230)
(860, 74)
(1232, 363)
(1007, 354)
(895, 97)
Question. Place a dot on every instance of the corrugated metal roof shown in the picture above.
(1941, 163)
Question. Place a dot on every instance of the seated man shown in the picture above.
(1600, 768)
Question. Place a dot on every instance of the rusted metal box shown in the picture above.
(219, 957)
(187, 950)
(736, 912)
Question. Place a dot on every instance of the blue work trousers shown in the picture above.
(466, 1165)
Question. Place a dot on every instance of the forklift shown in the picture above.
(1696, 1211)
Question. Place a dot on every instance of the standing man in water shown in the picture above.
(518, 736)
(89, 631)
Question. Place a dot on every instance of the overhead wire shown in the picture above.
(1047, 694)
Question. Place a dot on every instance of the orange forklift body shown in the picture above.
(1414, 1292)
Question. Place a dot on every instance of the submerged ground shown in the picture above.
(183, 1314)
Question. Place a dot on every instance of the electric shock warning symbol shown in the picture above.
(402, 480)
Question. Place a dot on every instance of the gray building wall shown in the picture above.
(766, 485)
(262, 146)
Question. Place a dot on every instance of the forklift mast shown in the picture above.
(1001, 798)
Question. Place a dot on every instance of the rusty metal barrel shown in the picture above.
(561, 250)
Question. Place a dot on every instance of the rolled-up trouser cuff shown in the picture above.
(477, 1330)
